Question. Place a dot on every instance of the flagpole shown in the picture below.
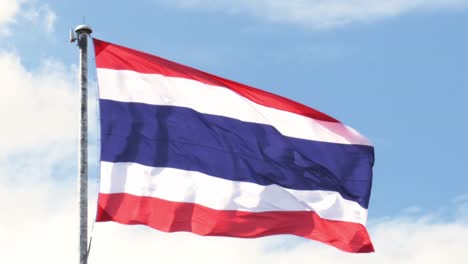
(82, 33)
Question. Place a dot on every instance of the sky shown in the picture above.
(397, 71)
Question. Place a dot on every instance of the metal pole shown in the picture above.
(83, 32)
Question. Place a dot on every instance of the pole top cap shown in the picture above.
(83, 29)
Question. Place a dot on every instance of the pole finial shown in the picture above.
(83, 29)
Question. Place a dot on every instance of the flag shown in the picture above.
(185, 150)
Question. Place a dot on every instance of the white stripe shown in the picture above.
(194, 187)
(156, 89)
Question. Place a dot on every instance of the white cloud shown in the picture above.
(319, 14)
(41, 16)
(39, 107)
(8, 12)
(50, 18)
(39, 114)
(29, 11)
(35, 217)
(36, 108)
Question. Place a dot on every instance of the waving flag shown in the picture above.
(184, 150)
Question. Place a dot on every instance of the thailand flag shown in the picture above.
(184, 150)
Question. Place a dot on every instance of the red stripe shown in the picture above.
(170, 216)
(111, 56)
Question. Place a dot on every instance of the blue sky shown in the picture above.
(394, 70)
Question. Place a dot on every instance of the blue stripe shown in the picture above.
(177, 137)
